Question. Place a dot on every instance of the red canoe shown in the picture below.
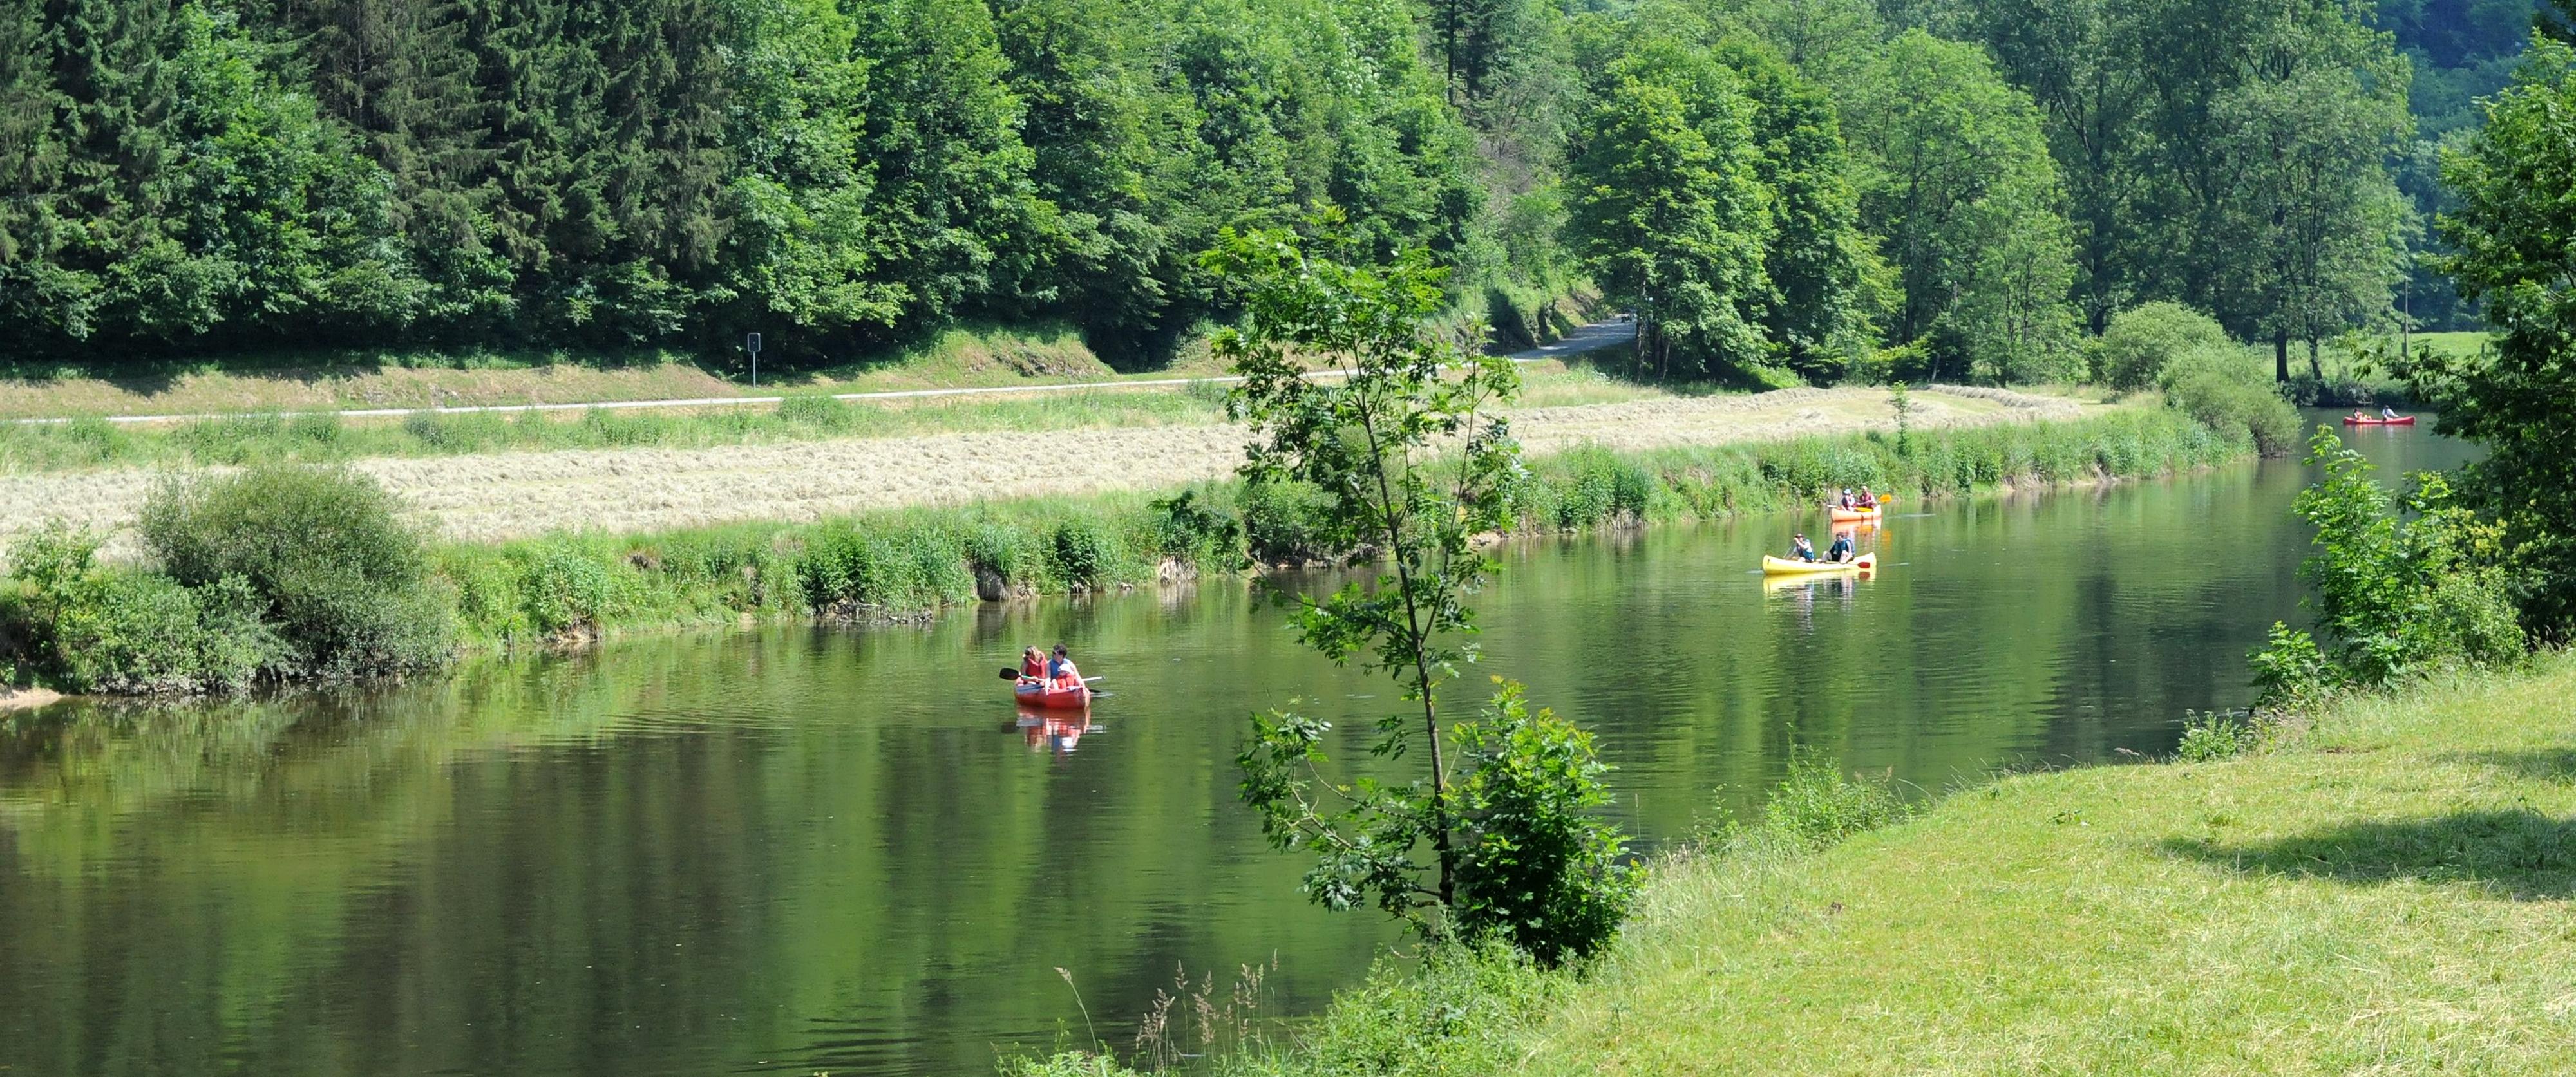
(1037, 694)
(2402, 420)
(1843, 515)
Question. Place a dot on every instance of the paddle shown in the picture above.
(1010, 674)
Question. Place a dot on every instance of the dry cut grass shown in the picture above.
(493, 496)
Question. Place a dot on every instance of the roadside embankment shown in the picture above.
(486, 497)
(2387, 891)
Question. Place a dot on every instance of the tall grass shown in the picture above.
(1592, 487)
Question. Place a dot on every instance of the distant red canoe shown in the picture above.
(2402, 420)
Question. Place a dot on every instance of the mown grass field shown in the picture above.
(469, 477)
(2391, 893)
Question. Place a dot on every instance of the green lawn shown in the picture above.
(2466, 343)
(2390, 895)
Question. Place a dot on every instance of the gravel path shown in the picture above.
(506, 495)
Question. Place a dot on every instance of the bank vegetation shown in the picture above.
(229, 560)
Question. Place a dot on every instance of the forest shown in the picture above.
(1779, 189)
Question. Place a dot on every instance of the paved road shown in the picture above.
(1587, 338)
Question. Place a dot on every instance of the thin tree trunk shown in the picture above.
(2315, 369)
(2281, 358)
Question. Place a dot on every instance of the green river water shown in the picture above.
(799, 849)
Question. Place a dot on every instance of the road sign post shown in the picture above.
(751, 343)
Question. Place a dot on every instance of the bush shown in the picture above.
(342, 580)
(1536, 868)
(1459, 1012)
(1188, 530)
(1816, 805)
(1083, 553)
(90, 629)
(2141, 340)
(1006, 551)
(2207, 738)
(563, 589)
(425, 428)
(1065, 1064)
(904, 571)
(1283, 522)
(816, 412)
(2395, 598)
(2228, 391)
(486, 586)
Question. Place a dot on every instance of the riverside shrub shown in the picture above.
(1083, 553)
(2227, 389)
(1818, 805)
(2396, 597)
(342, 581)
(87, 628)
(2141, 340)
(1536, 867)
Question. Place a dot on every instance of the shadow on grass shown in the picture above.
(2553, 765)
(2523, 855)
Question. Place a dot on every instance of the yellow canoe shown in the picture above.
(1781, 566)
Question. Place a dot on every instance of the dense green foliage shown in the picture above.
(272, 573)
(1779, 190)
(342, 582)
(2227, 156)
(2225, 387)
(68, 621)
(2517, 399)
(2140, 341)
(1410, 458)
(2395, 597)
(1538, 870)
(245, 173)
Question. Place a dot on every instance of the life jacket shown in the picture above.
(1034, 668)
(1063, 674)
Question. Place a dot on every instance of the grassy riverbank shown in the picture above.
(901, 563)
(896, 563)
(2385, 890)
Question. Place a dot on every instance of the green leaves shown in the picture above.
(1957, 176)
(1395, 433)
(2395, 598)
(1537, 868)
(2518, 400)
(1667, 211)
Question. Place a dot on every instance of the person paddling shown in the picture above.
(1868, 500)
(1802, 549)
(2387, 413)
(1844, 502)
(1033, 664)
(1061, 673)
(1841, 550)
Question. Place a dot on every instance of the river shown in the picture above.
(800, 849)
